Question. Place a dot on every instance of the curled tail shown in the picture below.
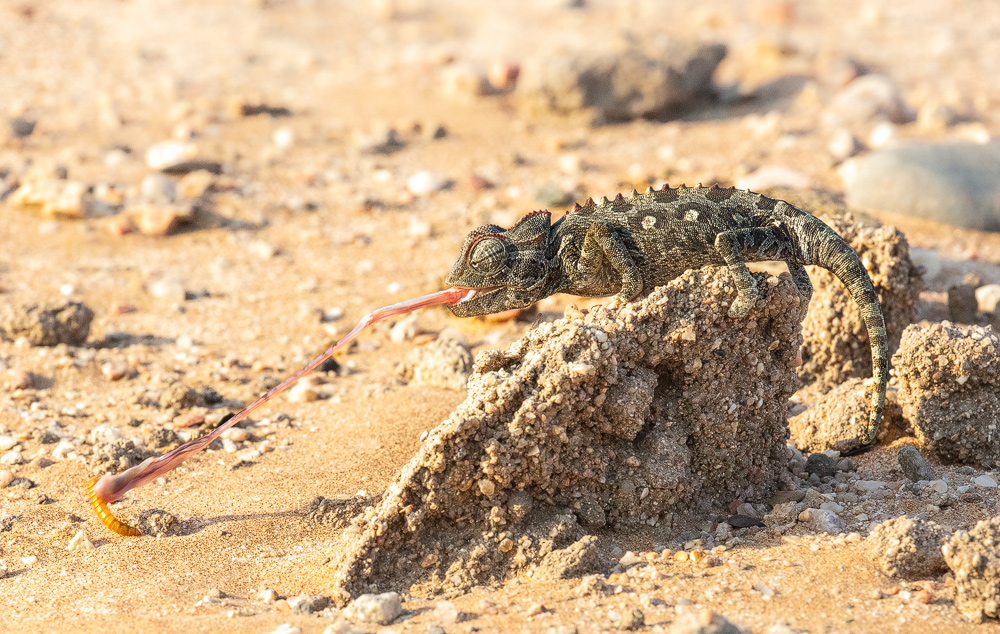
(831, 252)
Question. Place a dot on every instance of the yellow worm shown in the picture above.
(105, 514)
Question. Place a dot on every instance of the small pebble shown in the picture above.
(114, 370)
(985, 481)
(302, 393)
(30, 560)
(913, 465)
(425, 182)
(631, 619)
(287, 628)
(6, 477)
(381, 609)
(80, 542)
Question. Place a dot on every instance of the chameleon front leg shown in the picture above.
(736, 247)
(601, 245)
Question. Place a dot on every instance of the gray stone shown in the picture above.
(650, 80)
(822, 465)
(823, 521)
(952, 183)
(702, 622)
(21, 127)
(913, 464)
(381, 609)
(868, 99)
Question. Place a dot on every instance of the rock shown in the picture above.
(985, 481)
(446, 612)
(6, 477)
(823, 521)
(774, 176)
(442, 363)
(106, 433)
(178, 157)
(988, 298)
(287, 628)
(836, 339)
(55, 198)
(424, 182)
(577, 392)
(913, 465)
(21, 128)
(158, 189)
(464, 81)
(975, 559)
(80, 542)
(380, 609)
(307, 604)
(56, 321)
(639, 81)
(953, 183)
(908, 548)
(867, 99)
(948, 376)
(631, 619)
(576, 560)
(843, 145)
(180, 396)
(962, 303)
(702, 621)
(822, 465)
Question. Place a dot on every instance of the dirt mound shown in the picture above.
(615, 418)
(836, 341)
(948, 387)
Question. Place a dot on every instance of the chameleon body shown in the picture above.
(632, 244)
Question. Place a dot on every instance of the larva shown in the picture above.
(104, 513)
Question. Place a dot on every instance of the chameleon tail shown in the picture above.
(834, 254)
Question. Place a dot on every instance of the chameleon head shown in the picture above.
(509, 268)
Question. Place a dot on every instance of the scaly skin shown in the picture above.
(624, 246)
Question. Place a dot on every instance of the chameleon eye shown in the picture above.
(488, 256)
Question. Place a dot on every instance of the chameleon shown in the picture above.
(624, 246)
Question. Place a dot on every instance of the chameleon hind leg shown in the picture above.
(601, 247)
(755, 244)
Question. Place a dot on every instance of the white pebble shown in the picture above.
(6, 477)
(11, 458)
(287, 628)
(381, 609)
(236, 434)
(424, 182)
(988, 297)
(302, 393)
(166, 153)
(62, 449)
(283, 137)
(80, 542)
(29, 560)
(105, 433)
(7, 442)
(985, 481)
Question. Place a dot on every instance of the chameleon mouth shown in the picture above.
(474, 293)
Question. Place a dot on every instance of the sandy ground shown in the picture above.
(320, 222)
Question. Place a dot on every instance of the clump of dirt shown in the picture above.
(614, 418)
(57, 321)
(908, 547)
(836, 340)
(443, 362)
(975, 559)
(117, 456)
(948, 387)
(158, 523)
(835, 421)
